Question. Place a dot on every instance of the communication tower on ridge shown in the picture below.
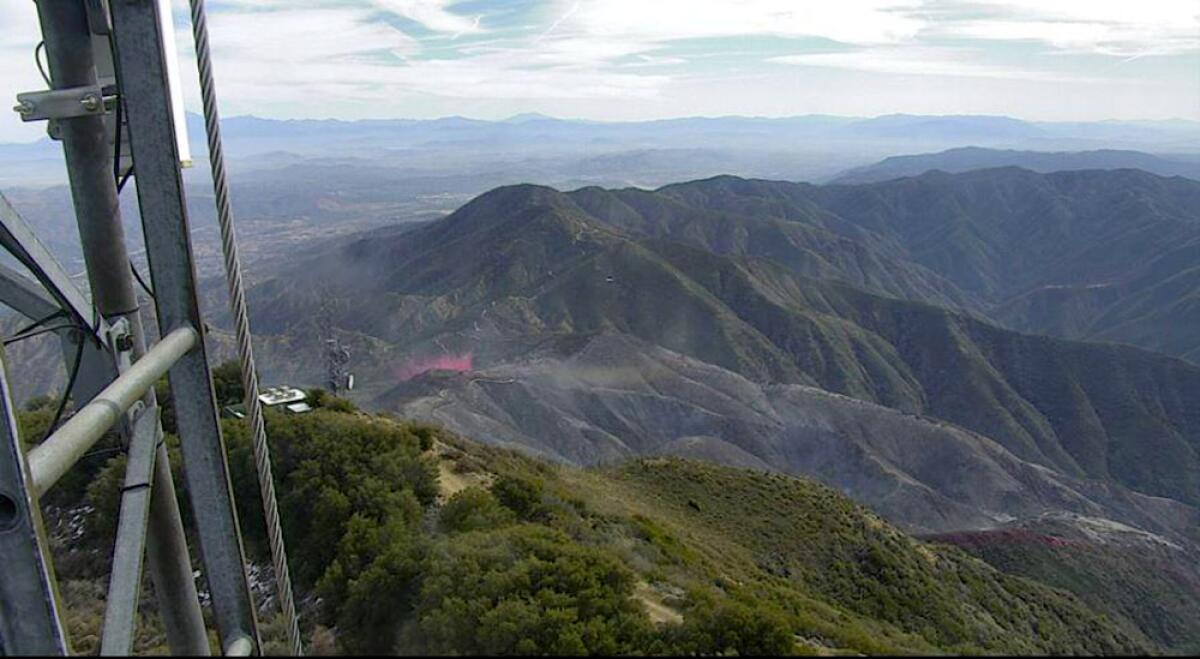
(338, 378)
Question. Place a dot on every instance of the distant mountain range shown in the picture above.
(962, 129)
(710, 318)
(965, 159)
(809, 147)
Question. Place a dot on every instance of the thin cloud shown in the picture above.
(1118, 28)
(848, 21)
(554, 26)
(915, 61)
(433, 14)
(297, 37)
(345, 59)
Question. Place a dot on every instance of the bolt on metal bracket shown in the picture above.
(60, 103)
(120, 343)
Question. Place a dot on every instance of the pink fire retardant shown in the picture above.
(414, 368)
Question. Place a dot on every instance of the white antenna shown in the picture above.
(171, 56)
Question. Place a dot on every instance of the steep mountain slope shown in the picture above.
(541, 273)
(823, 246)
(996, 233)
(1023, 243)
(1141, 580)
(618, 398)
(1156, 305)
(524, 272)
(1002, 232)
(965, 159)
(44, 350)
(862, 564)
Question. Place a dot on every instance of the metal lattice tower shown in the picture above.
(109, 67)
(336, 355)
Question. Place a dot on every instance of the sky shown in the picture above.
(1054, 60)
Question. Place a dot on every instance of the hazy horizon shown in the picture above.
(713, 117)
(615, 60)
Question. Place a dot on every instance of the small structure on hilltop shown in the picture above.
(288, 399)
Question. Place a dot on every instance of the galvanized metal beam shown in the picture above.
(125, 581)
(54, 293)
(174, 583)
(30, 623)
(52, 458)
(25, 295)
(19, 239)
(67, 33)
(97, 367)
(68, 30)
(139, 50)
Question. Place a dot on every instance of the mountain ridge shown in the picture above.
(1004, 233)
(526, 274)
(963, 159)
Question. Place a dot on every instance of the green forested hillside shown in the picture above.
(1137, 579)
(859, 564)
(417, 541)
(512, 555)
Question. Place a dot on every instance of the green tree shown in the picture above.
(473, 509)
(322, 399)
(334, 466)
(525, 589)
(227, 383)
(104, 495)
(732, 628)
(523, 496)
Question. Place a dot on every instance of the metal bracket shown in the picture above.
(119, 340)
(63, 103)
